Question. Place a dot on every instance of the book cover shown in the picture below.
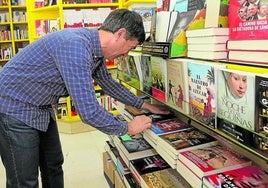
(168, 126)
(261, 107)
(164, 178)
(250, 176)
(236, 97)
(248, 57)
(146, 68)
(248, 20)
(159, 78)
(177, 93)
(149, 164)
(199, 21)
(133, 61)
(183, 140)
(213, 159)
(255, 45)
(130, 181)
(202, 77)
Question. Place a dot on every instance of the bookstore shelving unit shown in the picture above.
(14, 28)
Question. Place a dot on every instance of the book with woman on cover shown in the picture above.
(236, 98)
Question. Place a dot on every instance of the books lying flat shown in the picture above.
(164, 178)
(212, 159)
(208, 55)
(247, 44)
(212, 31)
(250, 176)
(185, 140)
(250, 57)
(147, 165)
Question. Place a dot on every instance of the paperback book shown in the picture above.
(177, 94)
(210, 160)
(236, 98)
(252, 57)
(184, 140)
(254, 45)
(164, 178)
(202, 77)
(159, 78)
(146, 165)
(250, 176)
(146, 69)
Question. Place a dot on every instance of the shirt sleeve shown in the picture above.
(75, 60)
(114, 88)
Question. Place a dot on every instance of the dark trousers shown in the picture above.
(24, 149)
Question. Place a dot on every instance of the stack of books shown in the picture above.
(207, 43)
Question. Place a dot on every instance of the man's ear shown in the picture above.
(121, 33)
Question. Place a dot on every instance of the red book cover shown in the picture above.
(250, 176)
(248, 20)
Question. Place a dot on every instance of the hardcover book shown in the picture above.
(202, 77)
(250, 176)
(246, 22)
(177, 94)
(184, 140)
(236, 98)
(159, 78)
(164, 178)
(212, 159)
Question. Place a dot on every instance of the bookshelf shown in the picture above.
(14, 28)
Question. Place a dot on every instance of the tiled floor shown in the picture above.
(83, 160)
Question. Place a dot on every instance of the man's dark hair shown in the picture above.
(124, 18)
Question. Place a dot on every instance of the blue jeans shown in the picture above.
(24, 149)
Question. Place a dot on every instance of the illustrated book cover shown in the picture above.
(213, 159)
(159, 78)
(248, 21)
(250, 176)
(202, 77)
(185, 140)
(236, 98)
(177, 93)
(146, 69)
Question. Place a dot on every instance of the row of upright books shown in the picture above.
(220, 95)
(179, 155)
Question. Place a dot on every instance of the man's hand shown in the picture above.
(139, 124)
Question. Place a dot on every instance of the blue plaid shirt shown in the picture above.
(60, 64)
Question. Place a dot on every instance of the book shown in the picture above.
(146, 68)
(164, 178)
(261, 106)
(208, 55)
(184, 140)
(248, 57)
(255, 45)
(202, 77)
(177, 94)
(236, 98)
(168, 126)
(213, 31)
(216, 14)
(212, 159)
(136, 147)
(165, 21)
(246, 22)
(249, 176)
(130, 181)
(147, 165)
(221, 47)
(159, 78)
(208, 39)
